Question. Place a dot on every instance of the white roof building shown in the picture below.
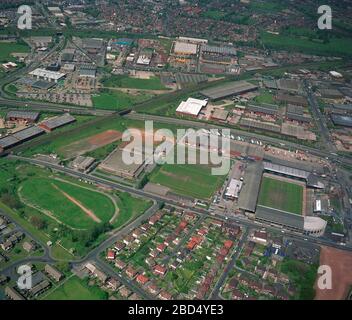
(191, 107)
(47, 75)
(233, 189)
(185, 48)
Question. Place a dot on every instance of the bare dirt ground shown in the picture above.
(78, 204)
(340, 263)
(91, 143)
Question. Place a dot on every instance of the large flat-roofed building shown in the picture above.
(341, 120)
(22, 116)
(228, 90)
(220, 115)
(88, 70)
(115, 164)
(255, 124)
(82, 163)
(265, 108)
(193, 40)
(47, 75)
(233, 189)
(20, 137)
(185, 48)
(296, 99)
(229, 51)
(57, 122)
(191, 107)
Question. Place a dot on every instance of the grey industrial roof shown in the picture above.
(8, 142)
(300, 100)
(87, 73)
(264, 108)
(58, 121)
(219, 50)
(345, 121)
(28, 133)
(268, 126)
(23, 115)
(191, 78)
(297, 117)
(346, 107)
(92, 43)
(250, 188)
(279, 217)
(293, 109)
(41, 84)
(229, 89)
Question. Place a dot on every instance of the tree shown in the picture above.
(38, 222)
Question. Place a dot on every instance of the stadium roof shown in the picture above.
(47, 74)
(314, 224)
(229, 89)
(191, 106)
(233, 188)
(280, 217)
(30, 115)
(277, 168)
(250, 189)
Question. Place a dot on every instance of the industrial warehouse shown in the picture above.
(229, 90)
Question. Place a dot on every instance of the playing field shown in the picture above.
(189, 180)
(281, 195)
(6, 48)
(73, 205)
(153, 83)
(76, 289)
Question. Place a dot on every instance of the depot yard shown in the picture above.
(188, 180)
(281, 195)
(90, 144)
(73, 205)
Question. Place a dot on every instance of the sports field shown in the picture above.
(153, 83)
(6, 48)
(75, 206)
(76, 289)
(281, 195)
(189, 180)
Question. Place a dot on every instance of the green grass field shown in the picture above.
(336, 46)
(6, 48)
(116, 100)
(188, 180)
(76, 289)
(281, 195)
(153, 83)
(42, 193)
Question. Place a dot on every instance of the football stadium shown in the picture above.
(276, 194)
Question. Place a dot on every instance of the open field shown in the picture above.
(72, 205)
(6, 48)
(90, 144)
(340, 263)
(117, 100)
(335, 46)
(281, 195)
(76, 289)
(153, 83)
(188, 180)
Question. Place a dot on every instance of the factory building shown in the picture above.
(43, 74)
(191, 107)
(56, 122)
